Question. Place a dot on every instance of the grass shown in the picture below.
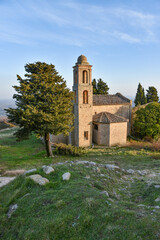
(77, 209)
(23, 154)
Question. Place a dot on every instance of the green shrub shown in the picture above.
(147, 122)
(64, 149)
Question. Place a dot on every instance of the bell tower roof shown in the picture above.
(82, 60)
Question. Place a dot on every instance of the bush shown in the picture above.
(64, 149)
(147, 122)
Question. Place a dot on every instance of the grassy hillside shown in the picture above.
(80, 209)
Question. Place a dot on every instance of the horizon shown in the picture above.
(119, 38)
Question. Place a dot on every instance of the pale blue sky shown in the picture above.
(121, 39)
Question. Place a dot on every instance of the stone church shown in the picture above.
(99, 119)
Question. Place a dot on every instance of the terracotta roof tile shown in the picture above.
(110, 99)
(105, 117)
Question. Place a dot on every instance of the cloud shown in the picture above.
(123, 23)
(75, 23)
(126, 37)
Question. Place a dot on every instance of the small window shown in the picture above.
(85, 97)
(95, 113)
(95, 126)
(86, 135)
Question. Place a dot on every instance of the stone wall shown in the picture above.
(110, 134)
(85, 125)
(118, 133)
(104, 133)
(59, 138)
(118, 109)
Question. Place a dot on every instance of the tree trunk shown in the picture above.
(48, 145)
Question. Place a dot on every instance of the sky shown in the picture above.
(120, 38)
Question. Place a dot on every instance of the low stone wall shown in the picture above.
(59, 138)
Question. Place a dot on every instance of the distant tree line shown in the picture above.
(141, 98)
(100, 87)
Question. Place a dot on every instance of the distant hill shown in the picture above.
(131, 98)
(5, 104)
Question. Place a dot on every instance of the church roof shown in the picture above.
(106, 117)
(117, 98)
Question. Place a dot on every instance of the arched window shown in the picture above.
(85, 77)
(85, 97)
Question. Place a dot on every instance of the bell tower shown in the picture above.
(83, 101)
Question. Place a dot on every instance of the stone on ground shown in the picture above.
(143, 172)
(66, 176)
(157, 199)
(111, 166)
(98, 170)
(47, 169)
(157, 207)
(5, 180)
(86, 162)
(31, 170)
(130, 171)
(106, 193)
(87, 177)
(14, 172)
(39, 179)
(11, 210)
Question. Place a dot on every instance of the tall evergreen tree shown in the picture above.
(144, 99)
(94, 84)
(102, 87)
(152, 94)
(140, 98)
(43, 104)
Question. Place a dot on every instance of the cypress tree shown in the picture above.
(152, 94)
(102, 87)
(140, 98)
(43, 104)
(94, 84)
(144, 99)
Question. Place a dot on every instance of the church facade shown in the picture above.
(99, 119)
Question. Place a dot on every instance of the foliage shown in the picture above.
(147, 122)
(99, 86)
(152, 95)
(140, 98)
(94, 84)
(64, 149)
(43, 103)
